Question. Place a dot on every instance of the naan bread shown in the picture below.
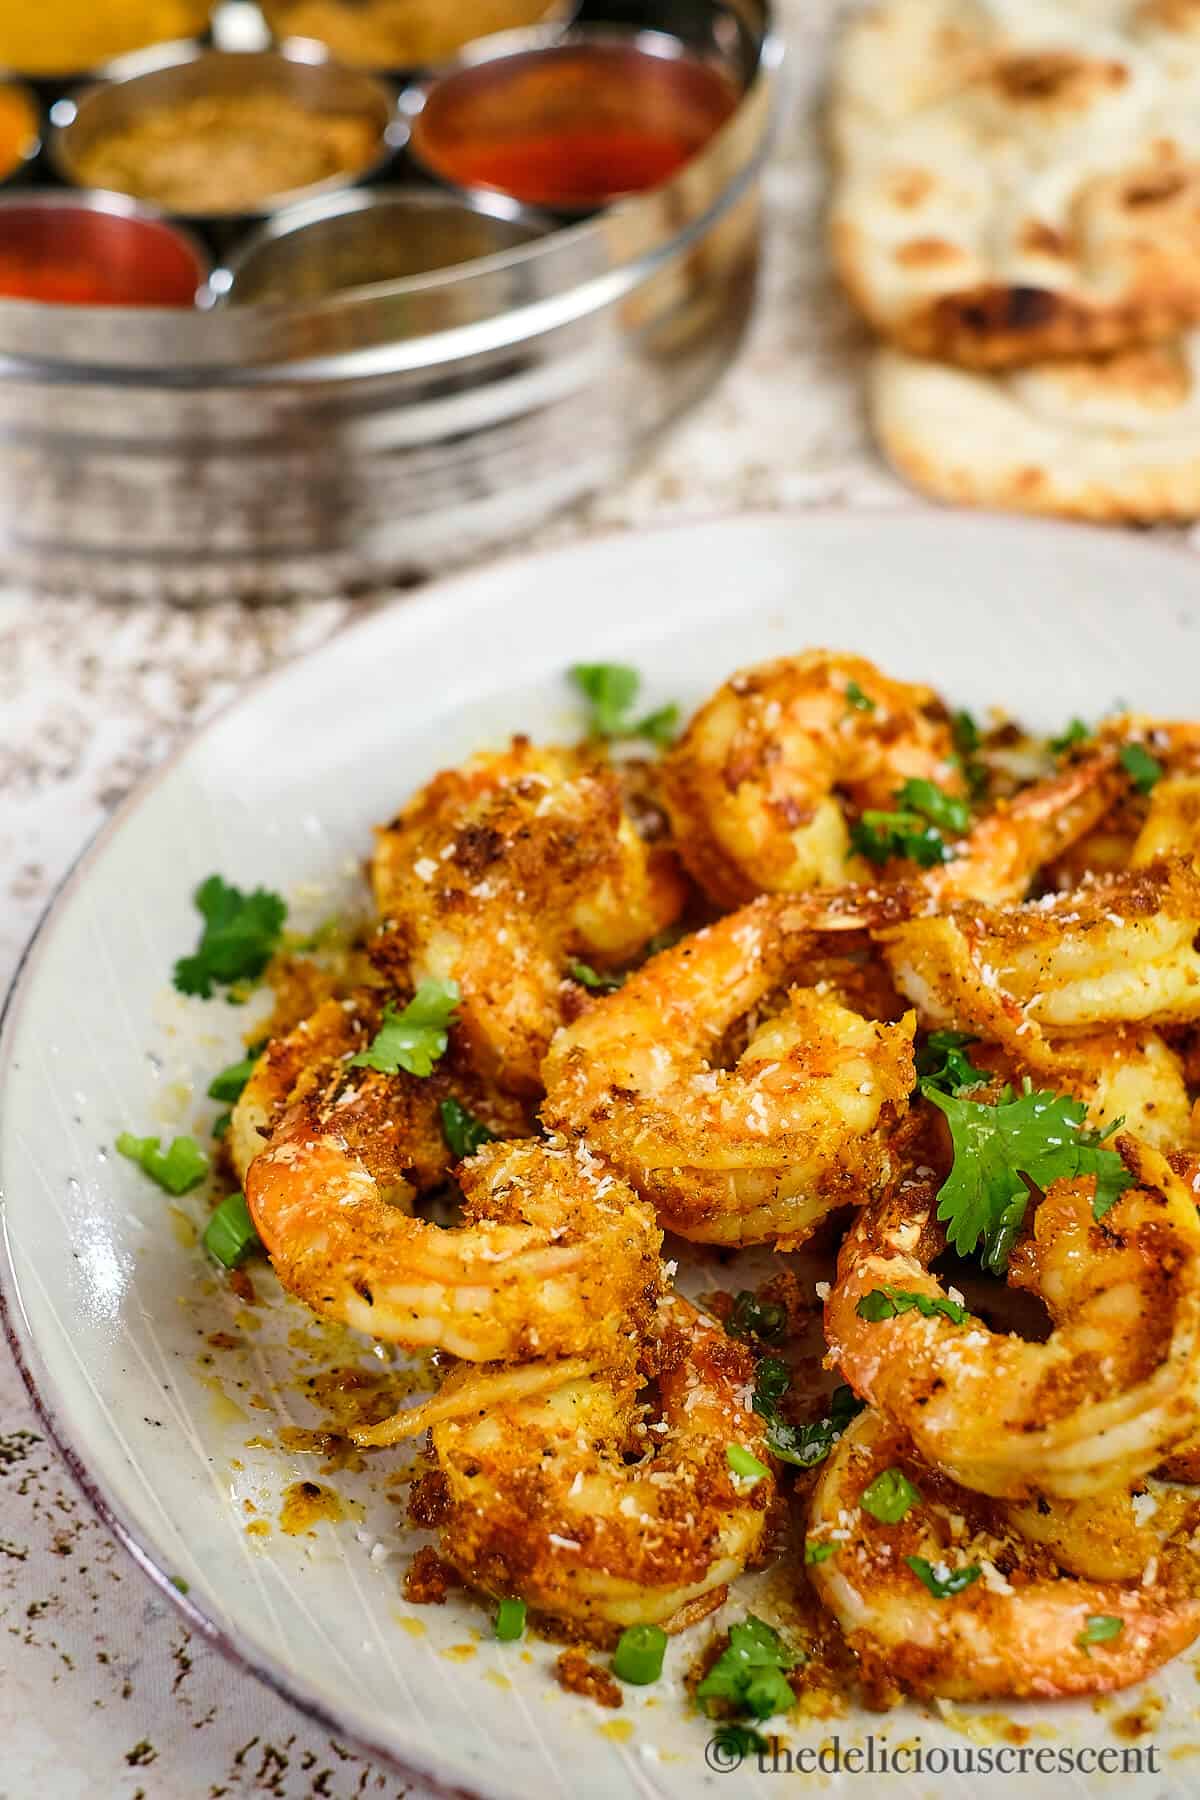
(1020, 179)
(1107, 438)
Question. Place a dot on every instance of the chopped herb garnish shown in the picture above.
(588, 977)
(178, 1169)
(1033, 1136)
(1076, 733)
(611, 689)
(230, 1236)
(967, 736)
(889, 1302)
(942, 1586)
(749, 1674)
(179, 1584)
(463, 1132)
(751, 1317)
(1142, 769)
(510, 1621)
(880, 836)
(740, 1741)
(947, 811)
(742, 1463)
(817, 1552)
(221, 1124)
(414, 1038)
(241, 933)
(857, 699)
(943, 1063)
(802, 1445)
(1099, 1629)
(229, 1083)
(638, 1657)
(890, 1497)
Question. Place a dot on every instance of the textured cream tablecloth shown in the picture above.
(102, 1691)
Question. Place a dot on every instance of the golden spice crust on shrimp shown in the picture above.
(555, 1254)
(1118, 950)
(1019, 1628)
(756, 784)
(1114, 1389)
(602, 1504)
(393, 1120)
(762, 1150)
(497, 874)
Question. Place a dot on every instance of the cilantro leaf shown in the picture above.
(588, 977)
(1142, 769)
(1076, 733)
(749, 1674)
(857, 699)
(1036, 1136)
(414, 1038)
(890, 1302)
(751, 1317)
(228, 1083)
(880, 836)
(947, 811)
(890, 1497)
(241, 933)
(802, 1445)
(740, 1741)
(942, 1586)
(611, 689)
(942, 1062)
(1100, 1628)
(178, 1169)
(463, 1132)
(968, 738)
(744, 1463)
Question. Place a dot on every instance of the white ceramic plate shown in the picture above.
(110, 1307)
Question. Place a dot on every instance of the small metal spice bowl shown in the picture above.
(399, 36)
(95, 250)
(572, 123)
(20, 130)
(351, 242)
(170, 128)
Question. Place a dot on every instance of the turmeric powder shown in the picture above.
(70, 37)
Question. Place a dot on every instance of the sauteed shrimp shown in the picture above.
(761, 1150)
(498, 874)
(555, 1253)
(393, 1119)
(987, 1614)
(595, 1506)
(756, 785)
(1112, 1391)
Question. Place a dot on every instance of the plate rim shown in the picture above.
(210, 1624)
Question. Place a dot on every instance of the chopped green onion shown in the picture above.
(221, 1124)
(1099, 1629)
(742, 1463)
(890, 1497)
(857, 699)
(816, 1552)
(944, 810)
(230, 1237)
(588, 977)
(510, 1621)
(638, 1658)
(177, 1169)
(1076, 733)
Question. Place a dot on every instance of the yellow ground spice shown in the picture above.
(69, 37)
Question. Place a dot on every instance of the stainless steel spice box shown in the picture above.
(366, 437)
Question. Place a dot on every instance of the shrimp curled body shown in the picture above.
(762, 1150)
(592, 1507)
(555, 1253)
(1019, 1629)
(1112, 1391)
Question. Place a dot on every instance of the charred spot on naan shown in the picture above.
(1055, 80)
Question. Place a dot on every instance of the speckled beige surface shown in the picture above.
(102, 1692)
